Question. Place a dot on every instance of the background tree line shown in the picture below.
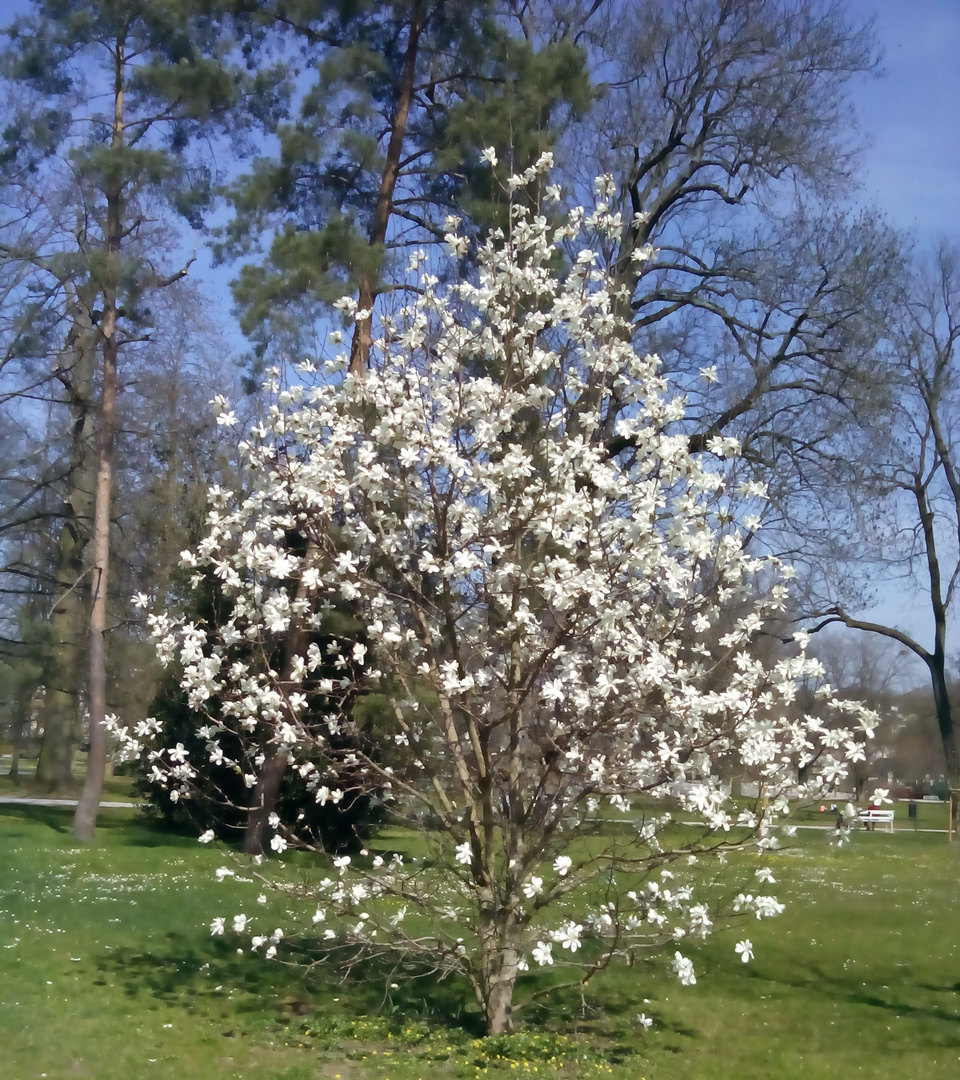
(310, 148)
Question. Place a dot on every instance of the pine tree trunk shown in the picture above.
(85, 819)
(84, 822)
(360, 345)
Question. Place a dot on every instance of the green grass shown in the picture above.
(108, 972)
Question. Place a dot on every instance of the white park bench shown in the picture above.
(870, 819)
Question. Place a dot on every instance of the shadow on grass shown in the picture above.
(115, 827)
(199, 974)
(188, 970)
(57, 819)
(846, 990)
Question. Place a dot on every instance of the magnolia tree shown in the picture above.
(549, 627)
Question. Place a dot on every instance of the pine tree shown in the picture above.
(386, 122)
(109, 96)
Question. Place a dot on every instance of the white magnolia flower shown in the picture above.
(216, 927)
(543, 953)
(745, 950)
(533, 887)
(568, 936)
(684, 969)
(239, 923)
(644, 1021)
(206, 837)
(562, 865)
(463, 855)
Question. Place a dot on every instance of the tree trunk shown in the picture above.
(64, 666)
(85, 819)
(936, 660)
(948, 736)
(265, 802)
(500, 1011)
(16, 737)
(271, 775)
(500, 978)
(360, 345)
(55, 765)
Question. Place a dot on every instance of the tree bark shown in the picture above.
(500, 1010)
(85, 819)
(499, 975)
(264, 803)
(267, 790)
(367, 294)
(22, 709)
(84, 822)
(64, 666)
(271, 776)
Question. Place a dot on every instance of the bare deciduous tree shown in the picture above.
(906, 503)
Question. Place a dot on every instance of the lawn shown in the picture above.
(108, 972)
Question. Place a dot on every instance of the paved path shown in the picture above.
(8, 800)
(831, 828)
(902, 829)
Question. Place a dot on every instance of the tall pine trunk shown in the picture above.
(271, 775)
(367, 293)
(85, 819)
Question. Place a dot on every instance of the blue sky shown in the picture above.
(911, 116)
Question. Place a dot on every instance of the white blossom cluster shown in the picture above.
(562, 634)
